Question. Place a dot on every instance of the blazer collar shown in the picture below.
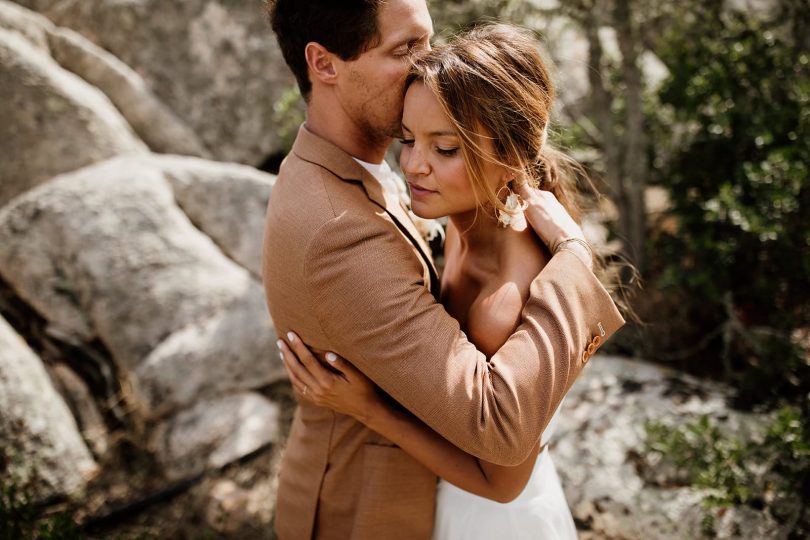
(317, 150)
(314, 149)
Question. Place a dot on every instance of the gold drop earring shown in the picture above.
(515, 205)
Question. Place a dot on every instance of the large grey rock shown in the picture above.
(43, 448)
(226, 201)
(155, 123)
(53, 121)
(105, 252)
(84, 409)
(31, 25)
(216, 64)
(214, 433)
(232, 350)
(599, 439)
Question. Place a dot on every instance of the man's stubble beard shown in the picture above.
(382, 132)
(378, 129)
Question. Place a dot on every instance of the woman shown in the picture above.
(474, 124)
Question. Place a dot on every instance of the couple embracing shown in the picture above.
(426, 402)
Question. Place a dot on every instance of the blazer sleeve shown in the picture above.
(367, 288)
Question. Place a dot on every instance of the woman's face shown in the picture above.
(432, 160)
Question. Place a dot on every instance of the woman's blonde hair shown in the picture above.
(493, 83)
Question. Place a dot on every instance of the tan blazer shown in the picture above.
(345, 268)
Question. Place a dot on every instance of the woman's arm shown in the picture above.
(347, 391)
(501, 484)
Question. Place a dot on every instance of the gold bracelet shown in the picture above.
(578, 255)
(564, 241)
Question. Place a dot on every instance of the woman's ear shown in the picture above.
(320, 63)
(511, 178)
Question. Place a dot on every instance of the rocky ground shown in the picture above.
(235, 501)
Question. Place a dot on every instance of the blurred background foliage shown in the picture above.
(738, 186)
(722, 137)
(724, 134)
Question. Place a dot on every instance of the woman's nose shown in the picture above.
(413, 161)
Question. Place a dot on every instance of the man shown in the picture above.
(346, 270)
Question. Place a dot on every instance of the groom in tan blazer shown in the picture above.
(345, 268)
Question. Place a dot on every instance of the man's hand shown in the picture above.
(552, 222)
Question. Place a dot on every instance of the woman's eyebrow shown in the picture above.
(445, 133)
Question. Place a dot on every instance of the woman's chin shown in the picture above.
(424, 211)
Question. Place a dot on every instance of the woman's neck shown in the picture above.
(479, 233)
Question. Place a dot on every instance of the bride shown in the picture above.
(474, 124)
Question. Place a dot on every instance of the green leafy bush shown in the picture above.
(764, 473)
(20, 520)
(738, 258)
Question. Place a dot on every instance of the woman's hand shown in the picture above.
(552, 222)
(343, 388)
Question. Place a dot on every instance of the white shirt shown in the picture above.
(385, 176)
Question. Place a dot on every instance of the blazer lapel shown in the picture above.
(397, 209)
(314, 149)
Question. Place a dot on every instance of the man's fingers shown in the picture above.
(320, 373)
(525, 191)
(548, 217)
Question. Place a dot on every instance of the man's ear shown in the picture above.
(321, 63)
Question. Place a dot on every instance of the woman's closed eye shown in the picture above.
(406, 142)
(448, 152)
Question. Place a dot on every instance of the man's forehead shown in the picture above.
(404, 20)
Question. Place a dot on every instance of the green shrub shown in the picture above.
(737, 101)
(733, 470)
(21, 520)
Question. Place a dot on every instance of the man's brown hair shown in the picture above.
(347, 28)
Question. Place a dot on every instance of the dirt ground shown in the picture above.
(130, 500)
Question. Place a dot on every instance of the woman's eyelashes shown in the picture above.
(446, 152)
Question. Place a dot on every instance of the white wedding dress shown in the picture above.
(540, 512)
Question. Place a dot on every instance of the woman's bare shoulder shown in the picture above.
(495, 314)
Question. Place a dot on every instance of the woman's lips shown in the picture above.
(416, 189)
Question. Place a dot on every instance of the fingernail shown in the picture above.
(290, 336)
(281, 355)
(331, 356)
(280, 344)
